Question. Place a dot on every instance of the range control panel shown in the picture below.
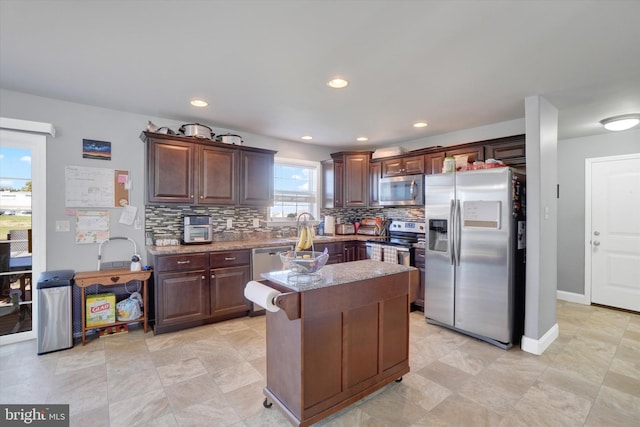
(408, 226)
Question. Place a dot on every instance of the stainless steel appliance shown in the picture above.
(265, 260)
(405, 190)
(474, 253)
(345, 229)
(399, 244)
(197, 229)
(55, 330)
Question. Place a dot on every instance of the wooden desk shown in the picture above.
(112, 278)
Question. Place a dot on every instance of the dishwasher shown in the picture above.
(265, 260)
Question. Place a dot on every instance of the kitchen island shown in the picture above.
(336, 337)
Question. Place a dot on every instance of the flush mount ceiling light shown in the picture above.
(623, 122)
(337, 83)
(306, 137)
(420, 125)
(362, 138)
(199, 103)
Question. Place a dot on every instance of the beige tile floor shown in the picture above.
(214, 375)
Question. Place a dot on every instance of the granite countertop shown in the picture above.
(248, 244)
(335, 274)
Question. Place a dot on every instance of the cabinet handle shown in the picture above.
(213, 276)
(202, 197)
(203, 277)
(184, 262)
(230, 258)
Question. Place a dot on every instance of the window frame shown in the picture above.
(303, 163)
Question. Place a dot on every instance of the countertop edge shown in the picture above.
(249, 244)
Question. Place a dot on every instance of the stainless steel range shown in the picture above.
(399, 246)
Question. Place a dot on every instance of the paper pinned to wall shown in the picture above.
(92, 226)
(87, 187)
(128, 215)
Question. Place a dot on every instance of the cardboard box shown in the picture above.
(101, 309)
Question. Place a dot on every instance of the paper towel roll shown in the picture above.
(261, 295)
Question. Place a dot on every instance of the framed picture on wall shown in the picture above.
(92, 149)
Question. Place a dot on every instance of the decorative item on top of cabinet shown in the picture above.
(473, 152)
(201, 172)
(412, 165)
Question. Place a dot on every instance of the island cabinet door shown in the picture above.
(355, 336)
(183, 297)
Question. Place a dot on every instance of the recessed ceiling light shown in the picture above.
(337, 83)
(307, 137)
(420, 125)
(623, 122)
(363, 138)
(199, 103)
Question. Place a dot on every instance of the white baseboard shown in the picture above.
(573, 297)
(538, 347)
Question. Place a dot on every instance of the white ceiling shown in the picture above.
(263, 65)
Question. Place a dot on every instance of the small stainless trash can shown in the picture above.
(55, 326)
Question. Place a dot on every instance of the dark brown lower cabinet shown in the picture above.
(350, 251)
(199, 288)
(419, 302)
(227, 291)
(346, 342)
(336, 251)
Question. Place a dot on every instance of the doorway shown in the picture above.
(22, 225)
(612, 231)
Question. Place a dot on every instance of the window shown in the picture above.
(295, 189)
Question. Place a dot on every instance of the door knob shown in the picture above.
(596, 243)
(596, 233)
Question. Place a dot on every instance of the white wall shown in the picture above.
(481, 133)
(75, 122)
(571, 159)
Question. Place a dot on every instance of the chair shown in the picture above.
(20, 241)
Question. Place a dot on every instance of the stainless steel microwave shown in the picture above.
(405, 190)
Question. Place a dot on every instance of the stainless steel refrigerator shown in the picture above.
(474, 254)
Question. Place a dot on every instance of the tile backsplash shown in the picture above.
(167, 220)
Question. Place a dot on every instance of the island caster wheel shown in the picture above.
(267, 404)
(399, 380)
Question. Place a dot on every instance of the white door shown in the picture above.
(29, 139)
(614, 231)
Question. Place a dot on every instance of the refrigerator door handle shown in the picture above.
(458, 232)
(451, 228)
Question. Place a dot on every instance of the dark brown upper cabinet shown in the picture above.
(346, 179)
(403, 166)
(186, 170)
(510, 150)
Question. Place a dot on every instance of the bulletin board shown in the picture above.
(88, 187)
